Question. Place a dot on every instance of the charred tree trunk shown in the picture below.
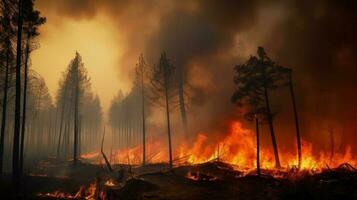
(258, 145)
(271, 128)
(298, 138)
(16, 143)
(168, 119)
(24, 104)
(4, 106)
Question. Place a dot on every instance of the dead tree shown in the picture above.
(16, 139)
(297, 128)
(162, 82)
(76, 105)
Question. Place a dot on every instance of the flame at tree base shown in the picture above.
(237, 148)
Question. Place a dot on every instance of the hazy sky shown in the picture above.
(317, 39)
(93, 38)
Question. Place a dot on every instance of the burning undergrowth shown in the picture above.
(237, 147)
(225, 167)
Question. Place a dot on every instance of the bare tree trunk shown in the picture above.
(4, 107)
(272, 133)
(16, 144)
(76, 104)
(258, 146)
(168, 124)
(296, 121)
(23, 126)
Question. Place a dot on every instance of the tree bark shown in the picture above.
(16, 143)
(168, 120)
(23, 126)
(271, 128)
(298, 137)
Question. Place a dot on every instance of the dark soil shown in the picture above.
(212, 180)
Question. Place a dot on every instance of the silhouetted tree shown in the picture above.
(6, 36)
(76, 64)
(16, 140)
(163, 87)
(79, 108)
(32, 20)
(254, 106)
(296, 118)
(255, 78)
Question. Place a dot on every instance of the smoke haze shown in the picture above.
(317, 39)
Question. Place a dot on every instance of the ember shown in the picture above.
(89, 193)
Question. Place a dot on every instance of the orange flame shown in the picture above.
(239, 149)
(90, 193)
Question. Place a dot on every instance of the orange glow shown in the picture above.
(97, 40)
(237, 148)
(90, 155)
(110, 183)
(133, 156)
(89, 193)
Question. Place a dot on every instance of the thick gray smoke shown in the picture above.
(317, 39)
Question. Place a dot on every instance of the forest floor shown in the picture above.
(211, 180)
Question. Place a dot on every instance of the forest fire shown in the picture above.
(178, 99)
(239, 149)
